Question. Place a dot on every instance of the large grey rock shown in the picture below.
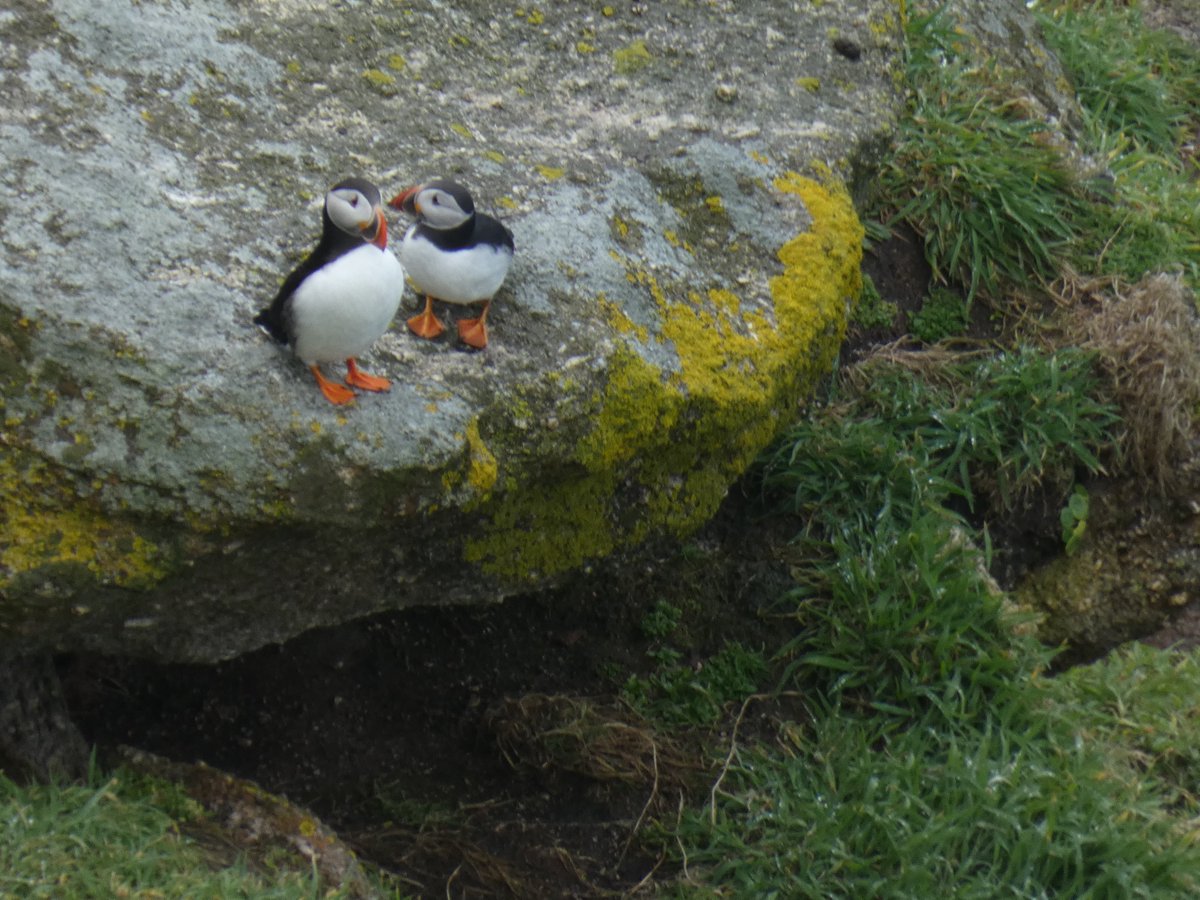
(174, 486)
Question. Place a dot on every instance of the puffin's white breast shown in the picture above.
(341, 309)
(455, 276)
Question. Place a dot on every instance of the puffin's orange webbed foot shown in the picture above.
(426, 325)
(473, 332)
(337, 394)
(360, 379)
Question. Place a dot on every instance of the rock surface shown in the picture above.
(173, 486)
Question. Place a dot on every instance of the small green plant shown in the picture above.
(676, 693)
(943, 314)
(872, 311)
(661, 622)
(1073, 518)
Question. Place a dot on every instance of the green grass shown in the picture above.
(1012, 809)
(119, 836)
(978, 178)
(1130, 80)
(1140, 93)
(985, 181)
(1001, 426)
(937, 759)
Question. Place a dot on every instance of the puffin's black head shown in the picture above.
(440, 204)
(356, 207)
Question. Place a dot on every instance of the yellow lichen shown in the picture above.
(43, 523)
(619, 320)
(635, 412)
(482, 468)
(664, 446)
(630, 59)
(547, 528)
(379, 78)
(550, 173)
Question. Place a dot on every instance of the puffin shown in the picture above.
(344, 294)
(452, 254)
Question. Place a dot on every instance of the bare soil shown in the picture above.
(389, 728)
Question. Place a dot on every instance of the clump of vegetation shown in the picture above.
(1132, 81)
(977, 176)
(120, 835)
(1144, 337)
(943, 315)
(680, 694)
(872, 311)
(600, 741)
(1000, 426)
(1140, 93)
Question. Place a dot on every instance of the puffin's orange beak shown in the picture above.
(406, 201)
(376, 232)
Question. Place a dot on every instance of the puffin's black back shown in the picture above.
(479, 229)
(334, 242)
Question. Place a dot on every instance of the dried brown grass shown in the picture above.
(601, 741)
(1146, 337)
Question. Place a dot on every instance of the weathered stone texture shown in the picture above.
(174, 486)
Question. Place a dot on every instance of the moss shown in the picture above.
(381, 80)
(664, 446)
(46, 526)
(632, 58)
(544, 529)
(635, 413)
(16, 334)
(482, 467)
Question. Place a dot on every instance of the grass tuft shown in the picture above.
(1003, 427)
(975, 173)
(119, 836)
(1144, 337)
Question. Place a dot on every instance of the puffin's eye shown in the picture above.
(354, 200)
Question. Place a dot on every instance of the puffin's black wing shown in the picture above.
(273, 318)
(491, 231)
(334, 242)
